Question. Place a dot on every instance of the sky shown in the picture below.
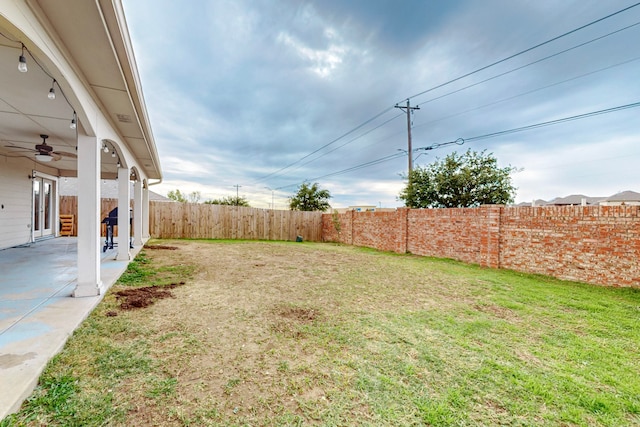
(252, 98)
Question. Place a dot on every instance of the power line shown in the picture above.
(366, 122)
(554, 122)
(442, 85)
(461, 141)
(353, 168)
(531, 63)
(529, 92)
(348, 142)
(522, 52)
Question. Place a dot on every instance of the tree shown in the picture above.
(310, 198)
(230, 200)
(459, 181)
(178, 196)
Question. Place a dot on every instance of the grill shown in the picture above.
(111, 221)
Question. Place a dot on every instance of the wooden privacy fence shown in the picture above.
(201, 221)
(69, 206)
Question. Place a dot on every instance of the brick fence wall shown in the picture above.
(594, 244)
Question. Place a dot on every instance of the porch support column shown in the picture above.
(124, 229)
(137, 213)
(145, 211)
(89, 283)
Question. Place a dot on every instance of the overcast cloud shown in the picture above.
(242, 92)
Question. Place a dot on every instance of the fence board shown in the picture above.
(201, 221)
(69, 206)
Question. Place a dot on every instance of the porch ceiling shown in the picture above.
(91, 38)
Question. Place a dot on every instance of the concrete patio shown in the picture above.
(37, 312)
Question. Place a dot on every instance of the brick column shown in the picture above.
(403, 230)
(490, 239)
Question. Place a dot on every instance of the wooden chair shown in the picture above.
(66, 225)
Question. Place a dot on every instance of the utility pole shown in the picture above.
(272, 204)
(237, 194)
(408, 109)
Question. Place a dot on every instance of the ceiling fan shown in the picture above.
(44, 152)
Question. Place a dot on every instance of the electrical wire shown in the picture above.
(528, 92)
(348, 142)
(43, 69)
(554, 122)
(353, 168)
(521, 52)
(461, 141)
(366, 122)
(9, 38)
(530, 63)
(278, 172)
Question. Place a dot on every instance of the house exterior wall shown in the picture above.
(15, 199)
(593, 244)
(15, 202)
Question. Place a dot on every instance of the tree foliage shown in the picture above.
(230, 201)
(310, 197)
(178, 196)
(467, 180)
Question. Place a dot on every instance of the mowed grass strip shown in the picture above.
(276, 333)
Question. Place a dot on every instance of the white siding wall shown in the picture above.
(15, 196)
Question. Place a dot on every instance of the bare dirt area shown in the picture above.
(235, 334)
(144, 297)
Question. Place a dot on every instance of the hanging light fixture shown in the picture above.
(72, 125)
(52, 92)
(22, 62)
(43, 157)
(113, 153)
(105, 148)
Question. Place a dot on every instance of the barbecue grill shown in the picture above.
(111, 221)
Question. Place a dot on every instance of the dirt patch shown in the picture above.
(161, 247)
(497, 311)
(287, 320)
(299, 314)
(143, 297)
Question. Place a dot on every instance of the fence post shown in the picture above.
(404, 224)
(490, 251)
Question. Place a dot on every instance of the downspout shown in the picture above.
(33, 177)
(149, 184)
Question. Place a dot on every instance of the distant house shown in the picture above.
(623, 198)
(631, 198)
(574, 200)
(538, 202)
(363, 208)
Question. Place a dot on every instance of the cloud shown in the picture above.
(268, 94)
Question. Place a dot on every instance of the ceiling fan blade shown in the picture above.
(19, 148)
(65, 154)
(55, 156)
(16, 155)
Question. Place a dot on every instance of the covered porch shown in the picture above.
(36, 314)
(71, 106)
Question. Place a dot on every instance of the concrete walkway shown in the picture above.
(37, 312)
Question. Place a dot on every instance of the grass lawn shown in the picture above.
(275, 333)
